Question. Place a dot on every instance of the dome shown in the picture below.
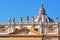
(42, 18)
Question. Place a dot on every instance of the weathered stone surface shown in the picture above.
(21, 38)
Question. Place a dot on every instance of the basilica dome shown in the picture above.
(42, 16)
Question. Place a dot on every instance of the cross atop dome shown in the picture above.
(42, 4)
(42, 9)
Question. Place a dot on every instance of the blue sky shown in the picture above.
(17, 8)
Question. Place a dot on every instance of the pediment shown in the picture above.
(24, 31)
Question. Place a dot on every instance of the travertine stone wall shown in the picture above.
(27, 38)
(55, 38)
(21, 38)
(50, 38)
